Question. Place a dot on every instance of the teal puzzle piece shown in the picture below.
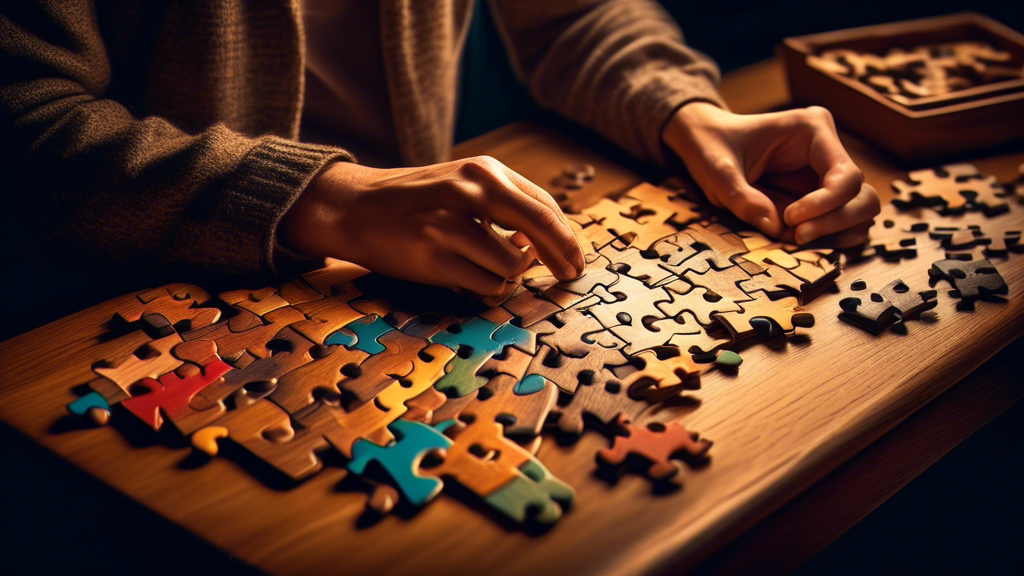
(401, 459)
(530, 384)
(367, 334)
(91, 400)
(475, 341)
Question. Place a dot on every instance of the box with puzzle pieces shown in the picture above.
(920, 89)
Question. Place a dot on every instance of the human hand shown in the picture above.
(730, 155)
(431, 224)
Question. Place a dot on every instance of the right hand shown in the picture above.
(431, 224)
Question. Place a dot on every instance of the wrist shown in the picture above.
(682, 131)
(312, 224)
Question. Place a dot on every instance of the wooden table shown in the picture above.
(795, 413)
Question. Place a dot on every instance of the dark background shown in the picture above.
(962, 515)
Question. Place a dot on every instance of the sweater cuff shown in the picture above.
(666, 100)
(263, 188)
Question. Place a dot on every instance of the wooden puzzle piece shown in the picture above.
(722, 244)
(776, 282)
(660, 444)
(704, 305)
(764, 251)
(762, 316)
(299, 388)
(575, 333)
(910, 304)
(673, 251)
(522, 412)
(174, 304)
(643, 266)
(259, 302)
(148, 361)
(399, 358)
(246, 332)
(978, 278)
(679, 371)
(170, 395)
(950, 187)
(723, 283)
(603, 400)
(327, 315)
(870, 311)
(671, 205)
(267, 432)
(289, 350)
(297, 291)
(401, 460)
(505, 475)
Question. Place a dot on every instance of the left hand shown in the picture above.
(729, 155)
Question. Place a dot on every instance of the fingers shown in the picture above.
(860, 210)
(726, 185)
(512, 207)
(459, 273)
(840, 178)
(482, 246)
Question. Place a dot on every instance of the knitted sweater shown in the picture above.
(161, 135)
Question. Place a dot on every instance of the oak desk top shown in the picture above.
(794, 412)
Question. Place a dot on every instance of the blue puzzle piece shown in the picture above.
(401, 459)
(530, 384)
(91, 400)
(340, 337)
(485, 339)
(367, 334)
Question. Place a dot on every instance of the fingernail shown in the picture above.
(577, 262)
(763, 224)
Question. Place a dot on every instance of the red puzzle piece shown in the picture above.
(171, 395)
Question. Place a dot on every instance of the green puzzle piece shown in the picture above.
(482, 339)
(401, 459)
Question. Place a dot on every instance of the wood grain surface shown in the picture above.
(795, 411)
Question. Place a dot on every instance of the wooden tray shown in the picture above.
(961, 121)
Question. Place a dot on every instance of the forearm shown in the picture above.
(104, 185)
(619, 67)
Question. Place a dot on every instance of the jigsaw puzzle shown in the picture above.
(415, 396)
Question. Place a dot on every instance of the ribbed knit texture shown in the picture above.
(161, 134)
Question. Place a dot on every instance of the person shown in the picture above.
(164, 135)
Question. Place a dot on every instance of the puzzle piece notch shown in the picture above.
(872, 312)
(475, 341)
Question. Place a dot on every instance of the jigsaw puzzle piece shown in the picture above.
(974, 279)
(300, 387)
(246, 332)
(475, 341)
(696, 300)
(401, 460)
(910, 304)
(289, 350)
(675, 372)
(644, 266)
(723, 283)
(267, 432)
(660, 444)
(327, 315)
(259, 302)
(672, 206)
(171, 304)
(521, 409)
(872, 312)
(400, 356)
(170, 395)
(148, 361)
(602, 400)
(765, 317)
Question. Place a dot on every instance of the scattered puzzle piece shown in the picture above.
(657, 443)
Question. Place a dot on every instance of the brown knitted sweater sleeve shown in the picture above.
(92, 180)
(619, 67)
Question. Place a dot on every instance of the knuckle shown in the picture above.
(481, 166)
(819, 113)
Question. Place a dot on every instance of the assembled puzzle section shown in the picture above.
(414, 398)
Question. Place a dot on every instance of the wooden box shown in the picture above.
(968, 119)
